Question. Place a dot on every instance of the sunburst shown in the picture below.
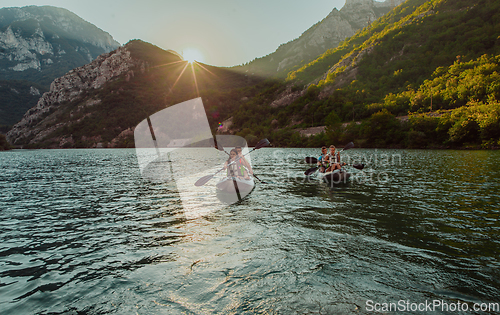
(179, 76)
(191, 55)
(185, 64)
(195, 81)
(168, 64)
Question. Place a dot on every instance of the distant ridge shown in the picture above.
(324, 35)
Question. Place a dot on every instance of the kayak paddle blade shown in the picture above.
(262, 143)
(202, 181)
(348, 146)
(358, 166)
(213, 144)
(311, 170)
(311, 160)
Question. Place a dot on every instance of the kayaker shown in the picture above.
(244, 161)
(333, 160)
(235, 169)
(322, 163)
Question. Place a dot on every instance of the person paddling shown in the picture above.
(244, 161)
(333, 160)
(322, 163)
(234, 167)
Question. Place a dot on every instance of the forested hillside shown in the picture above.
(438, 52)
(326, 34)
(426, 75)
(16, 97)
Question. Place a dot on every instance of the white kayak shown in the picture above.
(229, 185)
(232, 189)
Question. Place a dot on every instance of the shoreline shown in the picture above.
(464, 148)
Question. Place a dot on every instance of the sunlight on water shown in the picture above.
(198, 201)
(84, 231)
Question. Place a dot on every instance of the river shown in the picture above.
(82, 232)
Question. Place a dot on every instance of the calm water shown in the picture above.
(82, 233)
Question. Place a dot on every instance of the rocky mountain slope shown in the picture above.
(326, 34)
(99, 104)
(423, 56)
(39, 44)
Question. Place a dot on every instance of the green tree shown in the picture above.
(383, 129)
(333, 127)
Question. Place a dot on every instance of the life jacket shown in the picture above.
(333, 159)
(322, 159)
(236, 169)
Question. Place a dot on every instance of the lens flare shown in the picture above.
(191, 55)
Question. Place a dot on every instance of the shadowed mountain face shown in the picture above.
(16, 97)
(39, 44)
(100, 103)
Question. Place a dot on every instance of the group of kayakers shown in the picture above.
(237, 165)
(329, 161)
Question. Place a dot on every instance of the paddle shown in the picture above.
(358, 166)
(348, 146)
(214, 144)
(260, 180)
(221, 149)
(311, 160)
(202, 181)
(311, 170)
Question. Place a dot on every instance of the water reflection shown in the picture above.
(82, 232)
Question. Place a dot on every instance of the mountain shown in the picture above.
(404, 48)
(16, 97)
(424, 75)
(39, 44)
(99, 104)
(324, 35)
(434, 64)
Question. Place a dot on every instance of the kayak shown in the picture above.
(335, 177)
(227, 185)
(232, 189)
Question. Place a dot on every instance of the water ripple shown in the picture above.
(81, 232)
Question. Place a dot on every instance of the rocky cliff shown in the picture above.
(39, 44)
(42, 120)
(45, 38)
(324, 35)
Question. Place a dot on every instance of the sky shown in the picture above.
(216, 32)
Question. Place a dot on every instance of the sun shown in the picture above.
(191, 55)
